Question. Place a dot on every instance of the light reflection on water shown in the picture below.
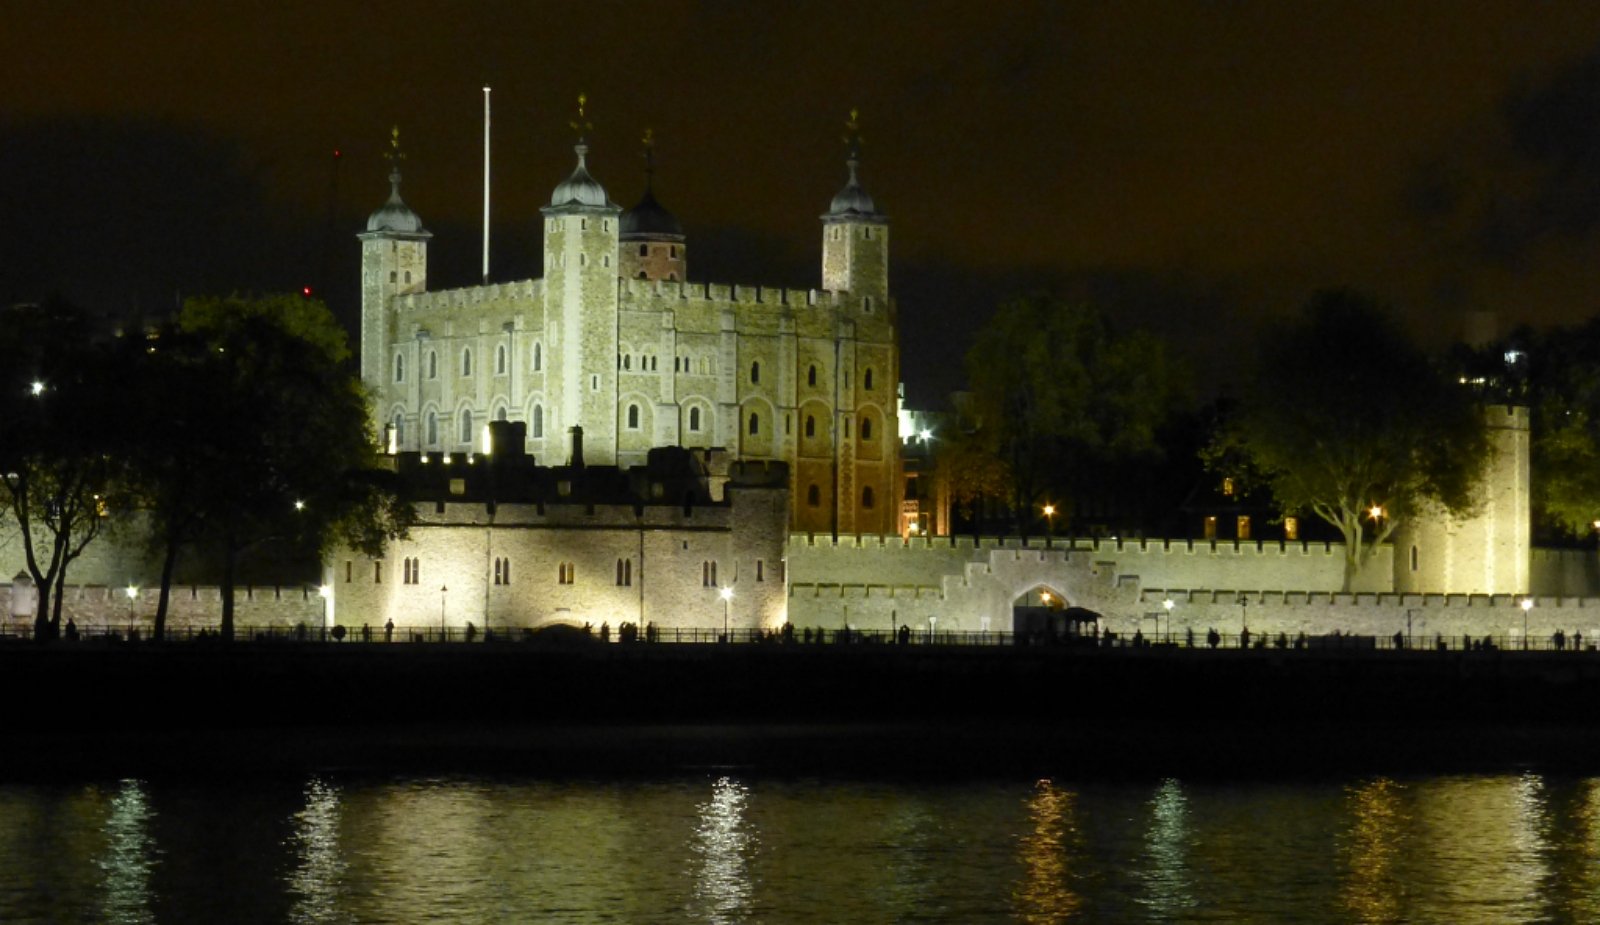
(1516, 848)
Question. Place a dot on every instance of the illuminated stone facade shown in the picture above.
(613, 339)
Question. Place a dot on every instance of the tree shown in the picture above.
(61, 433)
(1062, 398)
(1347, 418)
(267, 436)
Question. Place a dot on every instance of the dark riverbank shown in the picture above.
(863, 709)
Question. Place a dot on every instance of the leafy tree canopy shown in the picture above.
(1061, 397)
(1346, 417)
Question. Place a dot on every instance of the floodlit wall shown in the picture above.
(190, 607)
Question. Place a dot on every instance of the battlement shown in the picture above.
(728, 293)
(438, 299)
(1507, 417)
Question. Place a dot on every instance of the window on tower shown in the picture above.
(466, 362)
(538, 422)
(399, 368)
(755, 372)
(500, 360)
(466, 427)
(433, 364)
(755, 423)
(811, 376)
(694, 420)
(538, 356)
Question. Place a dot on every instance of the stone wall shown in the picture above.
(97, 607)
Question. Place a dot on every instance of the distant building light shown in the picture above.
(37, 388)
(1513, 357)
(299, 505)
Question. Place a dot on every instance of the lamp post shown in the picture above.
(1244, 620)
(727, 605)
(1527, 605)
(443, 589)
(1050, 524)
(1167, 605)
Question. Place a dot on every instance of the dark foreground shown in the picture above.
(860, 709)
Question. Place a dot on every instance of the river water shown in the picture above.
(720, 847)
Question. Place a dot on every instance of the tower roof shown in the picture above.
(580, 189)
(394, 216)
(852, 202)
(649, 219)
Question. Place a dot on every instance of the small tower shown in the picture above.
(580, 292)
(652, 240)
(1487, 552)
(394, 261)
(855, 235)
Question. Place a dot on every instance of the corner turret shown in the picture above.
(394, 262)
(580, 265)
(652, 240)
(855, 236)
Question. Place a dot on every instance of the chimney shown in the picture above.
(577, 446)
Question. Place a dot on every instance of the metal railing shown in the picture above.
(115, 634)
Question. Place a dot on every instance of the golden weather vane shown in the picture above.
(581, 125)
(394, 155)
(853, 127)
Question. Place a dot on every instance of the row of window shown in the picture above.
(704, 366)
(566, 572)
(632, 418)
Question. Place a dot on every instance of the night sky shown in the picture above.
(1194, 168)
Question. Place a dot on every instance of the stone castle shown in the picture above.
(611, 443)
(616, 340)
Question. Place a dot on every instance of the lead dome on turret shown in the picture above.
(580, 189)
(395, 216)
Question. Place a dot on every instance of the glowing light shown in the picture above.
(325, 591)
(445, 459)
(299, 505)
(132, 591)
(1527, 604)
(1169, 604)
(1049, 510)
(37, 388)
(488, 446)
(1044, 596)
(1375, 512)
(926, 435)
(423, 459)
(726, 594)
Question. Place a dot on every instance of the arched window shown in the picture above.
(811, 426)
(566, 573)
(866, 428)
(466, 427)
(624, 572)
(466, 362)
(811, 376)
(399, 429)
(708, 573)
(399, 367)
(538, 356)
(867, 497)
(538, 421)
(500, 360)
(433, 364)
(813, 496)
(633, 417)
(500, 413)
(502, 571)
(866, 379)
(755, 423)
(433, 428)
(755, 372)
(694, 420)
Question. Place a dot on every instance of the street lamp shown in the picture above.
(1527, 605)
(1168, 605)
(1050, 523)
(727, 605)
(442, 590)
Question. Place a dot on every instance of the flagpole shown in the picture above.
(486, 184)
